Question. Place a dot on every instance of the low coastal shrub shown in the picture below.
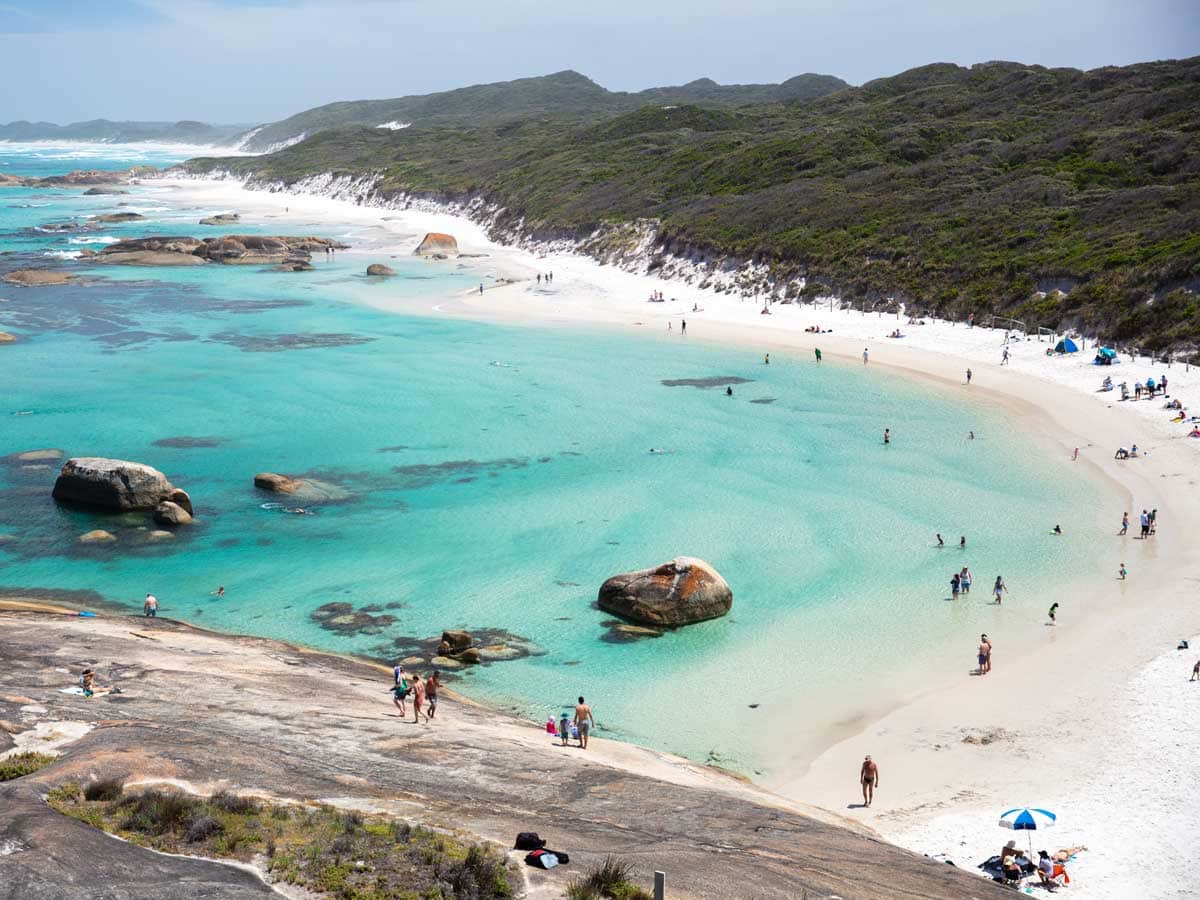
(25, 763)
(607, 881)
(319, 848)
(104, 789)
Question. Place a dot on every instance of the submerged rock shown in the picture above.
(680, 592)
(308, 489)
(95, 191)
(99, 536)
(6, 338)
(221, 219)
(43, 455)
(112, 484)
(117, 217)
(35, 277)
(435, 243)
(380, 269)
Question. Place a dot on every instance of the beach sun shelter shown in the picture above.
(1030, 819)
(1066, 345)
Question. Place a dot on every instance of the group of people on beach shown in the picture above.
(424, 692)
(576, 728)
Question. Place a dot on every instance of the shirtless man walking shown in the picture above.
(985, 655)
(869, 776)
(583, 722)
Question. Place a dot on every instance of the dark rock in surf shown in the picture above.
(112, 484)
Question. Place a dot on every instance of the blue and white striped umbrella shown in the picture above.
(1027, 819)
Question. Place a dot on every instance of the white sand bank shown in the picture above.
(1093, 717)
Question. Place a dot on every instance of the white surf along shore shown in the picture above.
(1093, 718)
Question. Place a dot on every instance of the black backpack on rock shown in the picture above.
(528, 840)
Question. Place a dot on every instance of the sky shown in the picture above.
(253, 61)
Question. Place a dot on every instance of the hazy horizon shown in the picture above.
(255, 61)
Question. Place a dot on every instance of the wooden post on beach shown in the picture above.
(660, 885)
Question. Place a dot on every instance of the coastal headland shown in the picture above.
(200, 712)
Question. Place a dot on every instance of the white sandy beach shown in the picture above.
(1092, 718)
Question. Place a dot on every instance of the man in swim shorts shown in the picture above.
(583, 722)
(868, 776)
(985, 654)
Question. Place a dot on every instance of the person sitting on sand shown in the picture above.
(1121, 453)
(1045, 871)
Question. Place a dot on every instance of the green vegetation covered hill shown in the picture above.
(953, 189)
(563, 94)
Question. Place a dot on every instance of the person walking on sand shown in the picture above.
(150, 607)
(998, 589)
(418, 699)
(1053, 613)
(1195, 672)
(868, 777)
(817, 352)
(399, 688)
(968, 377)
(432, 683)
(1004, 357)
(683, 326)
(1122, 572)
(1124, 523)
(583, 722)
(866, 355)
(1145, 522)
(1075, 455)
(1153, 521)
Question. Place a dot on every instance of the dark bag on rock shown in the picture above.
(541, 859)
(528, 840)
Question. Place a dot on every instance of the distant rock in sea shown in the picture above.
(380, 269)
(101, 189)
(99, 536)
(437, 244)
(6, 338)
(231, 249)
(36, 277)
(309, 490)
(113, 218)
(680, 592)
(221, 219)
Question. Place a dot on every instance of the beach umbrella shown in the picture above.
(1024, 818)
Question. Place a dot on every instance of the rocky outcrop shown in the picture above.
(230, 249)
(117, 217)
(309, 490)
(380, 269)
(437, 244)
(680, 592)
(221, 219)
(113, 484)
(36, 277)
(97, 191)
(168, 513)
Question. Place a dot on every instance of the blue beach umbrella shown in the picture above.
(1024, 818)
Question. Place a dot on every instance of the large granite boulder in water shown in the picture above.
(113, 484)
(380, 270)
(437, 244)
(680, 592)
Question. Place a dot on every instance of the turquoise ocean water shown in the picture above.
(500, 474)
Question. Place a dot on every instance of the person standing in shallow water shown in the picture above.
(866, 355)
(868, 776)
(817, 351)
(683, 326)
(998, 589)
(887, 436)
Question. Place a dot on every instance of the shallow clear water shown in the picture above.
(499, 475)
